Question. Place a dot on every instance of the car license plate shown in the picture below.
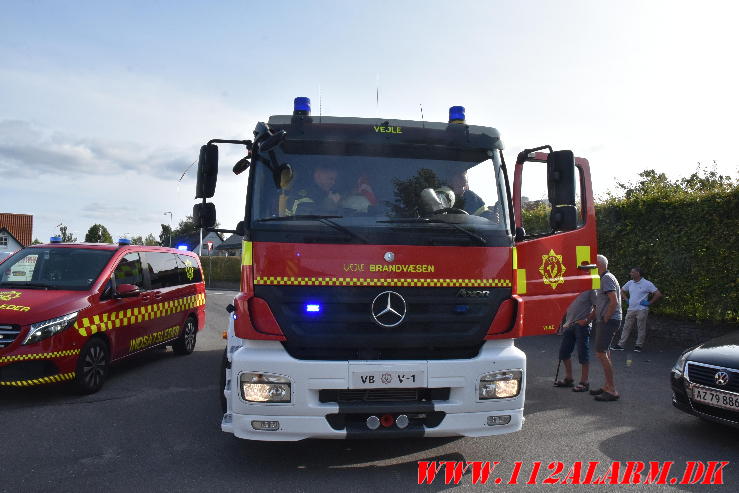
(389, 379)
(716, 398)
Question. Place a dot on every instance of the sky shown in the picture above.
(104, 105)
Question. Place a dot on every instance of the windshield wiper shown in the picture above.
(32, 285)
(426, 220)
(316, 217)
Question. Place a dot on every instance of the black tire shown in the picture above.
(185, 344)
(92, 366)
(224, 366)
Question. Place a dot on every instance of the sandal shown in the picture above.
(606, 397)
(597, 392)
(581, 387)
(567, 382)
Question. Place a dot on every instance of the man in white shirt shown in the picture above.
(638, 292)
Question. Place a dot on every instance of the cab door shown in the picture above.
(164, 281)
(554, 260)
(125, 316)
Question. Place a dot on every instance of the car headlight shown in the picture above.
(42, 330)
(500, 384)
(679, 366)
(265, 387)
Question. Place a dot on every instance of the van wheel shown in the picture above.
(186, 342)
(92, 366)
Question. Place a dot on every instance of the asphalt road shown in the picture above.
(155, 426)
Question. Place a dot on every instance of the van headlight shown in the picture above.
(265, 387)
(43, 330)
(500, 384)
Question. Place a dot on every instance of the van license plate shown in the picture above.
(389, 379)
(715, 398)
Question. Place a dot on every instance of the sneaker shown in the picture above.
(616, 347)
(637, 349)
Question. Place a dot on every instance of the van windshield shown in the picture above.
(54, 268)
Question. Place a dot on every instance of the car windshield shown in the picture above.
(364, 194)
(54, 268)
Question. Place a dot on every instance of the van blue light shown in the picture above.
(124, 241)
(301, 106)
(182, 247)
(313, 308)
(55, 239)
(456, 114)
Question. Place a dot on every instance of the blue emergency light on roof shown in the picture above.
(124, 241)
(301, 106)
(181, 247)
(55, 239)
(456, 114)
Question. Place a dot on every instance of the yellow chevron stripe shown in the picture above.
(39, 381)
(122, 318)
(25, 357)
(353, 281)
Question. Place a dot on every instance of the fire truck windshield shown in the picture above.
(383, 199)
(54, 268)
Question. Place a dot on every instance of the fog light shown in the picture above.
(265, 387)
(402, 421)
(373, 422)
(500, 384)
(499, 420)
(265, 425)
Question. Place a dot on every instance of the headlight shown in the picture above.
(42, 330)
(265, 387)
(679, 366)
(500, 384)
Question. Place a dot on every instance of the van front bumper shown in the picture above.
(309, 415)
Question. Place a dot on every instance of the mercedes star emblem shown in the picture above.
(389, 256)
(388, 309)
(721, 377)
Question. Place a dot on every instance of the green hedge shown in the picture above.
(222, 269)
(686, 244)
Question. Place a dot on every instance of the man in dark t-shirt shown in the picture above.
(607, 320)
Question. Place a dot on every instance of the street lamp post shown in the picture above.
(170, 227)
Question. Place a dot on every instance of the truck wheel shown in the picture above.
(224, 365)
(92, 366)
(186, 342)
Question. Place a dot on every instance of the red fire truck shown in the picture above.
(386, 273)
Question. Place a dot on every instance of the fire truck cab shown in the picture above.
(386, 273)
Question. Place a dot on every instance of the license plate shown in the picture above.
(389, 379)
(716, 398)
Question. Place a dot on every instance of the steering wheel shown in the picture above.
(451, 210)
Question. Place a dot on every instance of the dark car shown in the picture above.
(705, 380)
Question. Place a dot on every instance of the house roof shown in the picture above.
(19, 225)
(233, 242)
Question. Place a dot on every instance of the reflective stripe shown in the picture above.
(520, 274)
(39, 381)
(353, 281)
(246, 253)
(24, 357)
(583, 257)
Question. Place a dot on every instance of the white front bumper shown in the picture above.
(305, 416)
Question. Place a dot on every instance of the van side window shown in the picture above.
(163, 271)
(189, 270)
(128, 271)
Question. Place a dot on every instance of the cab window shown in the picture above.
(128, 271)
(189, 272)
(163, 269)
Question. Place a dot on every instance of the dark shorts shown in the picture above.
(604, 333)
(576, 334)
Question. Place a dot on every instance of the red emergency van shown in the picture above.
(69, 310)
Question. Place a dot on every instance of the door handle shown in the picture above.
(587, 267)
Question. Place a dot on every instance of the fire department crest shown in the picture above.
(189, 270)
(552, 269)
(9, 295)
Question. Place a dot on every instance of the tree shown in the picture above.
(165, 237)
(150, 240)
(66, 237)
(98, 234)
(36, 241)
(137, 240)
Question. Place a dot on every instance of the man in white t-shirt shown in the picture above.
(638, 292)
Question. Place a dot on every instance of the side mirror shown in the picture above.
(561, 178)
(241, 165)
(240, 229)
(563, 218)
(207, 172)
(127, 291)
(204, 215)
(520, 234)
